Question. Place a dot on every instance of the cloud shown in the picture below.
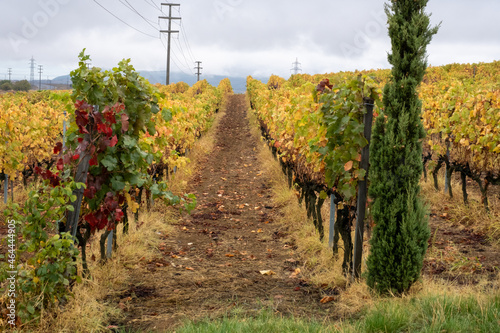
(233, 37)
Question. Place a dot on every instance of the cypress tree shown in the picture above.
(401, 232)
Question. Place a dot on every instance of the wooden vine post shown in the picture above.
(362, 190)
(72, 217)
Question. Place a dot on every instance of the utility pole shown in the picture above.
(32, 71)
(198, 68)
(40, 70)
(10, 74)
(169, 32)
(296, 69)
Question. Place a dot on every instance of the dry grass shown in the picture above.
(472, 215)
(20, 196)
(89, 310)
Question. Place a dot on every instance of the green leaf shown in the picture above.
(110, 162)
(154, 108)
(151, 128)
(137, 180)
(129, 142)
(166, 114)
(30, 309)
(117, 183)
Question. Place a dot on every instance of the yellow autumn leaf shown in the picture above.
(134, 206)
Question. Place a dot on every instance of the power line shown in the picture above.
(186, 42)
(179, 46)
(153, 4)
(142, 32)
(129, 6)
(175, 63)
(180, 62)
(184, 36)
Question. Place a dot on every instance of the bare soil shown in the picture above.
(228, 253)
(460, 254)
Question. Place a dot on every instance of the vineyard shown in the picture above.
(95, 161)
(314, 126)
(85, 157)
(460, 114)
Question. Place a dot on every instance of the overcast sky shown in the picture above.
(232, 37)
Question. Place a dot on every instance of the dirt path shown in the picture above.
(219, 257)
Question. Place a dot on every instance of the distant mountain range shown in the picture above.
(238, 83)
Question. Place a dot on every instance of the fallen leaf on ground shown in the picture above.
(229, 255)
(295, 273)
(267, 272)
(327, 299)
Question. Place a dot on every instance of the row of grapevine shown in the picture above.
(461, 114)
(121, 131)
(463, 126)
(318, 134)
(316, 130)
(30, 125)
